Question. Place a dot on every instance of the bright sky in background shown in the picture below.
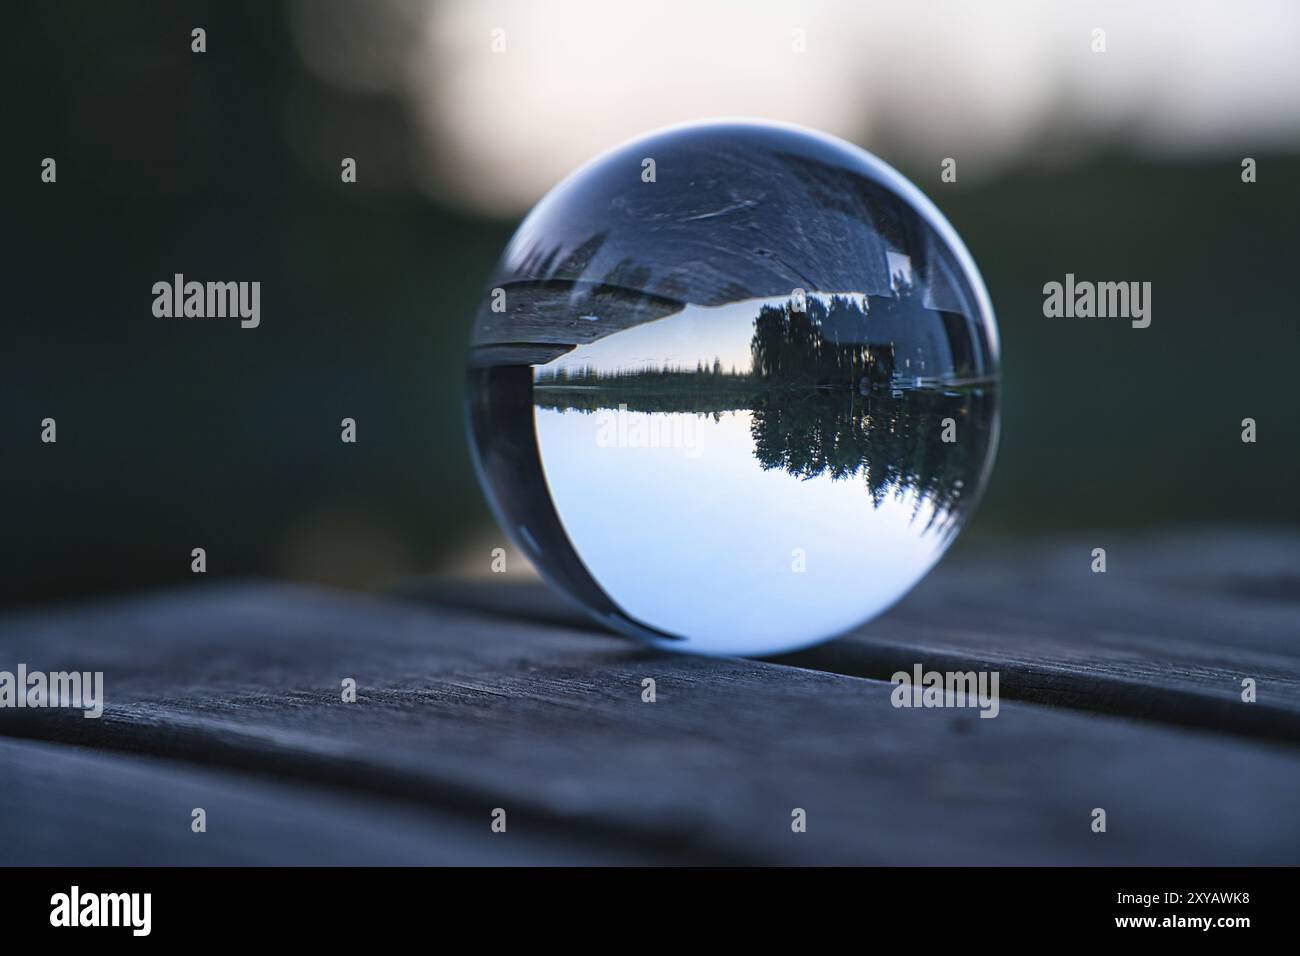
(987, 83)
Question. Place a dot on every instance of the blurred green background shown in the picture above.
(175, 434)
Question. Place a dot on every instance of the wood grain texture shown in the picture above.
(462, 712)
(1166, 634)
(73, 806)
(751, 213)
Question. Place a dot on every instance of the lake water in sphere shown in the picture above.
(722, 472)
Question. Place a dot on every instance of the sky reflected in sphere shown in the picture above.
(739, 407)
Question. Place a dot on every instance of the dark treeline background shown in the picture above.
(177, 434)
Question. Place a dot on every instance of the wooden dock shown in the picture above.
(1120, 691)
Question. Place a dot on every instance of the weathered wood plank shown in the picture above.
(606, 248)
(72, 806)
(1167, 633)
(465, 713)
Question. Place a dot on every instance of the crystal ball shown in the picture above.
(733, 387)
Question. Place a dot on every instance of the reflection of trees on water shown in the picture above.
(651, 378)
(816, 345)
(819, 405)
(837, 341)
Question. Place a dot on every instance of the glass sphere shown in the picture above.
(732, 388)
